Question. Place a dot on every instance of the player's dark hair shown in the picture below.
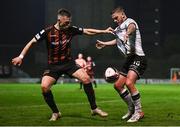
(117, 9)
(64, 12)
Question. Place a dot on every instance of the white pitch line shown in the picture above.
(44, 105)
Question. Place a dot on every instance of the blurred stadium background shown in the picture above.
(22, 19)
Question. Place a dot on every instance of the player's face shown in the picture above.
(80, 56)
(64, 21)
(118, 17)
(88, 58)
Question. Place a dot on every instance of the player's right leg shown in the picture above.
(47, 82)
(130, 83)
(87, 85)
(125, 95)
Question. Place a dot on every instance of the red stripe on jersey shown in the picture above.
(57, 47)
(49, 47)
(64, 41)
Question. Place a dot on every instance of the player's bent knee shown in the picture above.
(129, 83)
(45, 87)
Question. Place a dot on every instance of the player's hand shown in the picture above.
(110, 30)
(17, 61)
(99, 44)
(126, 37)
(87, 66)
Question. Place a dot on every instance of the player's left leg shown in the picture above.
(87, 85)
(130, 83)
(125, 95)
(47, 82)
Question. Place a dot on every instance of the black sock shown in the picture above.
(90, 95)
(81, 85)
(48, 97)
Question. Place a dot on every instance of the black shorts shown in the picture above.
(136, 63)
(56, 70)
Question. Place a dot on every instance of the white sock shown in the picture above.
(125, 95)
(137, 101)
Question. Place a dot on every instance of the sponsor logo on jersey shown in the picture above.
(55, 43)
(53, 35)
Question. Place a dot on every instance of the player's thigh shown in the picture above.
(47, 82)
(82, 76)
(132, 76)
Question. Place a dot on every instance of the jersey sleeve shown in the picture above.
(41, 35)
(76, 30)
(131, 21)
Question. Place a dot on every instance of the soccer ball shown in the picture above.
(111, 75)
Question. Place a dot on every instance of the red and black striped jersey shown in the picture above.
(58, 43)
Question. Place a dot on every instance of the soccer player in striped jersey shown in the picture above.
(128, 41)
(58, 40)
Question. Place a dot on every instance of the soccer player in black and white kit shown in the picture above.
(128, 41)
(58, 40)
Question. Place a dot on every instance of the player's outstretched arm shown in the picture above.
(89, 31)
(102, 44)
(18, 60)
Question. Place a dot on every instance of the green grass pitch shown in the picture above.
(23, 105)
